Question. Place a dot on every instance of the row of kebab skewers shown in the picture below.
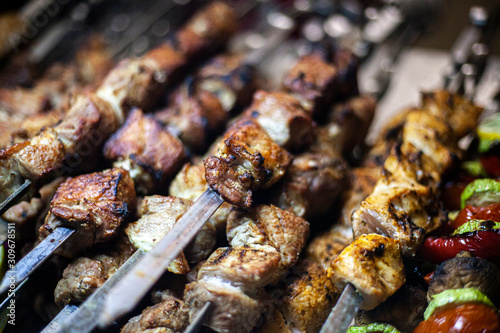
(259, 272)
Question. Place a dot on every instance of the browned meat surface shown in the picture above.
(283, 118)
(207, 29)
(312, 184)
(190, 183)
(227, 77)
(194, 115)
(308, 298)
(373, 264)
(20, 103)
(245, 159)
(353, 119)
(95, 205)
(404, 310)
(312, 81)
(31, 126)
(346, 63)
(93, 60)
(158, 215)
(362, 181)
(467, 272)
(234, 311)
(269, 225)
(150, 153)
(168, 316)
(326, 247)
(86, 274)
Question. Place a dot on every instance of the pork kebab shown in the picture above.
(98, 112)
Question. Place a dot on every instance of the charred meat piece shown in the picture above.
(312, 184)
(308, 297)
(404, 310)
(195, 115)
(466, 272)
(20, 103)
(93, 60)
(353, 119)
(283, 118)
(207, 29)
(158, 215)
(269, 225)
(228, 78)
(346, 64)
(95, 205)
(245, 160)
(326, 247)
(373, 264)
(150, 153)
(85, 275)
(170, 315)
(312, 81)
(190, 183)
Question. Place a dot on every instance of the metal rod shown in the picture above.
(14, 197)
(342, 314)
(61, 317)
(200, 318)
(35, 258)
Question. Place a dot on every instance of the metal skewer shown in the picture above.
(201, 317)
(14, 197)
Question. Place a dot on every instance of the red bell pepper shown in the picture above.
(491, 163)
(491, 212)
(482, 244)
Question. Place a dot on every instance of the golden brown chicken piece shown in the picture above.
(168, 316)
(307, 298)
(245, 160)
(326, 247)
(95, 205)
(190, 183)
(269, 225)
(373, 264)
(283, 118)
(312, 81)
(150, 153)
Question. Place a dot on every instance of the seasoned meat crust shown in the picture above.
(151, 153)
(169, 316)
(326, 247)
(312, 81)
(269, 225)
(95, 205)
(373, 264)
(245, 159)
(283, 118)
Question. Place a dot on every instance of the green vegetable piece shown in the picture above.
(488, 132)
(481, 193)
(476, 225)
(474, 168)
(373, 328)
(456, 297)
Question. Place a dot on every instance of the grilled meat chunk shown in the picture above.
(158, 215)
(245, 159)
(326, 247)
(269, 225)
(168, 316)
(466, 272)
(190, 183)
(85, 275)
(150, 153)
(95, 205)
(283, 118)
(228, 78)
(312, 81)
(207, 29)
(353, 119)
(346, 63)
(373, 264)
(233, 311)
(20, 103)
(308, 298)
(194, 115)
(404, 310)
(312, 184)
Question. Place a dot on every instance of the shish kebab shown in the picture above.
(226, 81)
(404, 204)
(136, 82)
